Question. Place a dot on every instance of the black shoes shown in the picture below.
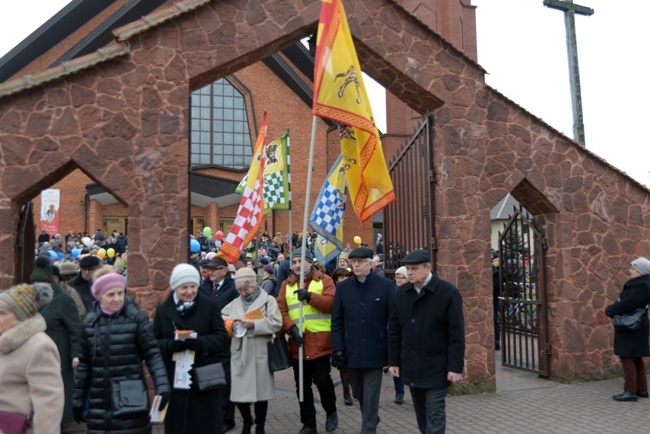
(228, 426)
(347, 398)
(307, 430)
(642, 394)
(625, 396)
(332, 422)
(399, 399)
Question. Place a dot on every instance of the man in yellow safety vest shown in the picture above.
(315, 338)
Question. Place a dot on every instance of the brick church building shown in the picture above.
(143, 114)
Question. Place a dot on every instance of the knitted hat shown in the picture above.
(68, 268)
(245, 276)
(107, 282)
(642, 265)
(308, 256)
(25, 300)
(42, 271)
(402, 271)
(182, 274)
(269, 269)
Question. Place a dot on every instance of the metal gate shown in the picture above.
(523, 317)
(25, 241)
(409, 220)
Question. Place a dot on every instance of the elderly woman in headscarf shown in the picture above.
(116, 337)
(191, 411)
(259, 317)
(632, 346)
(30, 374)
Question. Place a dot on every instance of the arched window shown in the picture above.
(220, 133)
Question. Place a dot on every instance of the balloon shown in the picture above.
(53, 255)
(195, 246)
(207, 231)
(101, 253)
(219, 235)
(357, 239)
(87, 241)
(75, 252)
(61, 255)
(110, 252)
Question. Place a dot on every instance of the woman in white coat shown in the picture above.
(30, 367)
(252, 380)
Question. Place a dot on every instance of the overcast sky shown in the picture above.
(522, 45)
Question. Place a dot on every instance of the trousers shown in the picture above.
(318, 372)
(429, 407)
(366, 385)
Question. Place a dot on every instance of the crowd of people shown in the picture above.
(71, 340)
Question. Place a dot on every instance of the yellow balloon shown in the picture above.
(110, 252)
(357, 239)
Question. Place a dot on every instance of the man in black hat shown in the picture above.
(82, 282)
(221, 286)
(359, 323)
(426, 342)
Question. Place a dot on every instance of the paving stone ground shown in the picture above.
(522, 404)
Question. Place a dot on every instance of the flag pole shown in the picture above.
(303, 251)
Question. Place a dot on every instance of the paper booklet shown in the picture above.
(184, 361)
(255, 314)
(156, 415)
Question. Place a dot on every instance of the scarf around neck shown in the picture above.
(247, 301)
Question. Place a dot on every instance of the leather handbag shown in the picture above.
(278, 353)
(209, 377)
(129, 397)
(630, 322)
(14, 423)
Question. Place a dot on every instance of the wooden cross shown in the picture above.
(570, 9)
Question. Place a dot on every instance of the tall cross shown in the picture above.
(570, 9)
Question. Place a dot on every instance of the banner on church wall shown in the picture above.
(50, 200)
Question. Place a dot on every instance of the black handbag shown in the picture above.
(278, 353)
(630, 322)
(209, 377)
(129, 397)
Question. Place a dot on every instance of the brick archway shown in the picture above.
(123, 118)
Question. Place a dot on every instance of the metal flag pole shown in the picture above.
(303, 250)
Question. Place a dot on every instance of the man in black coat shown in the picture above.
(221, 287)
(81, 283)
(359, 328)
(426, 340)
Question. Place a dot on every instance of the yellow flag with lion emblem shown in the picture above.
(340, 95)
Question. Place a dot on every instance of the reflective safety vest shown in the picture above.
(313, 319)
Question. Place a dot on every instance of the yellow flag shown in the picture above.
(340, 95)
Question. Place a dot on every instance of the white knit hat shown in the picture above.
(642, 265)
(182, 274)
(401, 270)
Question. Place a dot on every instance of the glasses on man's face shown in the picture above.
(217, 268)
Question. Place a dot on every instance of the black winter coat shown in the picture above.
(360, 320)
(83, 288)
(226, 294)
(635, 294)
(113, 348)
(192, 411)
(427, 333)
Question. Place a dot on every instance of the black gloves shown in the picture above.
(177, 346)
(295, 334)
(193, 344)
(303, 295)
(338, 359)
(78, 414)
(164, 399)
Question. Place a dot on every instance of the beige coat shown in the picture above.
(30, 375)
(252, 379)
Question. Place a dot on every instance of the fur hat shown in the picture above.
(642, 265)
(182, 274)
(90, 262)
(68, 268)
(245, 276)
(42, 271)
(106, 282)
(26, 300)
